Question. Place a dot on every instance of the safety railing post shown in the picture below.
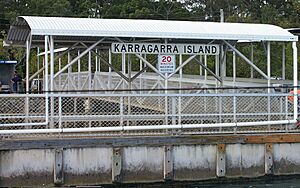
(26, 108)
(220, 109)
(60, 112)
(173, 110)
(234, 111)
(121, 111)
(179, 110)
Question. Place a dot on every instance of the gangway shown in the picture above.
(109, 79)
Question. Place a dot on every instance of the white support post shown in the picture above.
(123, 69)
(283, 61)
(46, 81)
(59, 112)
(99, 62)
(269, 65)
(200, 67)
(129, 86)
(96, 60)
(222, 62)
(109, 68)
(78, 71)
(217, 68)
(69, 70)
(295, 67)
(90, 70)
(141, 67)
(129, 70)
(51, 63)
(38, 68)
(51, 80)
(269, 79)
(28, 46)
(234, 84)
(234, 67)
(252, 60)
(180, 86)
(205, 71)
(59, 68)
(166, 99)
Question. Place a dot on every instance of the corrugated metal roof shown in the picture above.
(59, 26)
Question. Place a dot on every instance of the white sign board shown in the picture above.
(155, 48)
(166, 63)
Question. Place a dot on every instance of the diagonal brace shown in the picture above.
(108, 64)
(208, 70)
(246, 59)
(77, 58)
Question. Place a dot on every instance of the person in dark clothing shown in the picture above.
(16, 81)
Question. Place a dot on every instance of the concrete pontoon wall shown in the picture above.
(140, 164)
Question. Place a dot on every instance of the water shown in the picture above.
(266, 182)
(293, 182)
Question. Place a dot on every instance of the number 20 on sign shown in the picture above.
(166, 63)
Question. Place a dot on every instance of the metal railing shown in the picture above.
(123, 111)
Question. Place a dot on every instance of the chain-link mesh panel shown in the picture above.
(124, 109)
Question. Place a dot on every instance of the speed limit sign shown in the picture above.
(166, 63)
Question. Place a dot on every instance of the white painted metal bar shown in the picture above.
(38, 68)
(51, 63)
(141, 128)
(59, 78)
(46, 81)
(60, 112)
(28, 47)
(166, 99)
(200, 67)
(269, 65)
(149, 65)
(210, 71)
(36, 73)
(295, 68)
(180, 86)
(123, 69)
(99, 61)
(109, 69)
(78, 71)
(252, 60)
(205, 64)
(96, 60)
(234, 67)
(269, 78)
(217, 68)
(110, 65)
(78, 57)
(69, 71)
(182, 65)
(162, 95)
(90, 70)
(51, 79)
(283, 61)
(246, 59)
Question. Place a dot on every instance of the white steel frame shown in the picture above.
(127, 79)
